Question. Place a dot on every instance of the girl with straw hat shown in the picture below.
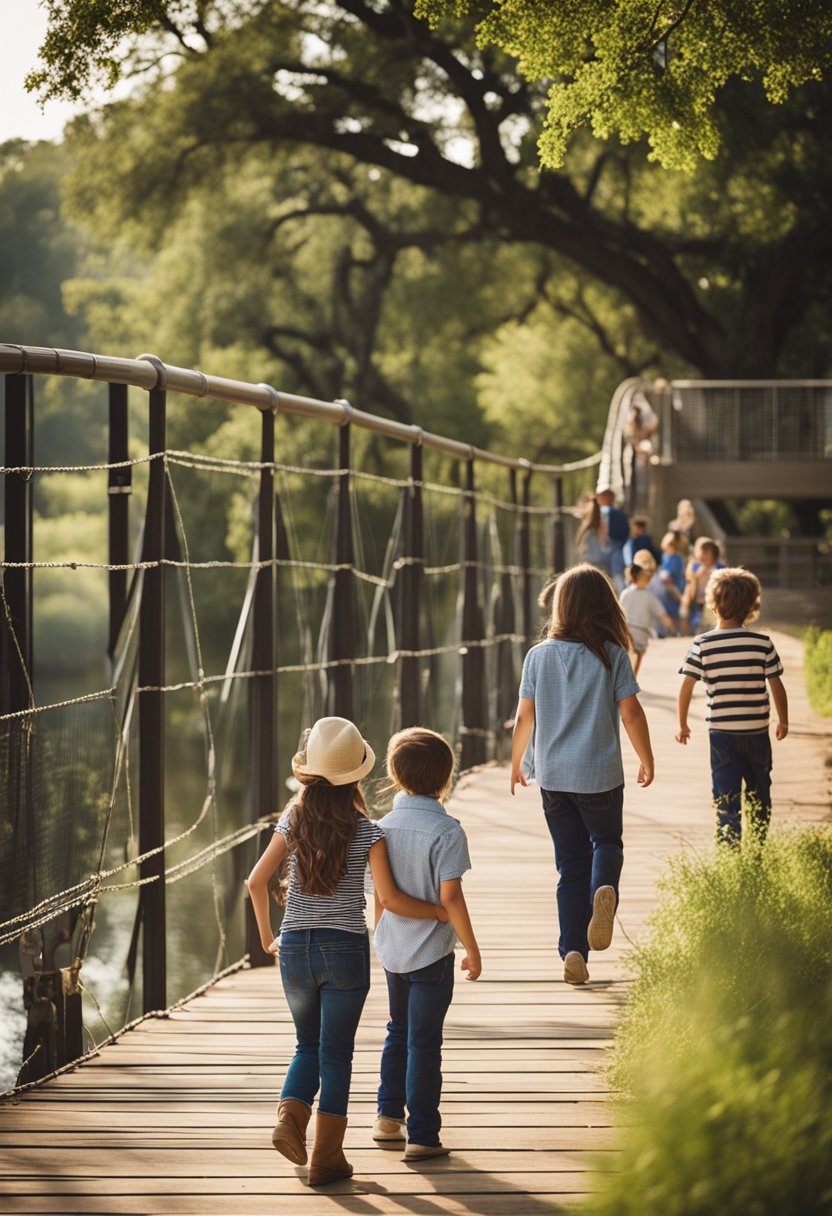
(323, 947)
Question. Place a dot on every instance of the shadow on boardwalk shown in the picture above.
(176, 1117)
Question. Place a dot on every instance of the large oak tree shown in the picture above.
(727, 268)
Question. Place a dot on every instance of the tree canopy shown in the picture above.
(651, 68)
(344, 200)
(375, 184)
(637, 68)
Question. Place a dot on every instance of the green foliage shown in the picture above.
(39, 249)
(71, 605)
(547, 390)
(637, 69)
(725, 1046)
(335, 155)
(82, 44)
(818, 668)
(763, 517)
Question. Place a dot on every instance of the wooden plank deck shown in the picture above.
(176, 1116)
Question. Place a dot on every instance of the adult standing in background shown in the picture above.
(685, 521)
(618, 533)
(591, 538)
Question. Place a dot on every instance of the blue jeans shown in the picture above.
(739, 757)
(586, 830)
(411, 1063)
(326, 978)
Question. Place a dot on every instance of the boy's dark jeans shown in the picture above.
(586, 830)
(411, 1063)
(737, 757)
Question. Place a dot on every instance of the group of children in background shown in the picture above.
(666, 591)
(576, 686)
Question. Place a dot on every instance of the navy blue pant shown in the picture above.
(740, 758)
(326, 978)
(411, 1063)
(586, 830)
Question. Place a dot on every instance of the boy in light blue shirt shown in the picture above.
(428, 852)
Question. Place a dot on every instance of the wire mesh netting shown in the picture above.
(752, 422)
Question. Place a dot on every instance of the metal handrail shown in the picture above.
(148, 372)
(789, 383)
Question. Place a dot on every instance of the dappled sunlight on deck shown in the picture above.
(176, 1116)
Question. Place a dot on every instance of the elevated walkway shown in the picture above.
(712, 441)
(175, 1117)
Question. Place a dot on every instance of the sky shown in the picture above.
(24, 26)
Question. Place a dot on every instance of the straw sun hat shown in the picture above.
(336, 751)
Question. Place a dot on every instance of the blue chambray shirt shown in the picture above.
(576, 743)
(426, 846)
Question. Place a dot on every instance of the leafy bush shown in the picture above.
(818, 665)
(725, 1045)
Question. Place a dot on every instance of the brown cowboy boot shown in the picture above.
(289, 1136)
(328, 1162)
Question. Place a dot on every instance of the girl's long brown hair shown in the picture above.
(585, 609)
(322, 824)
(590, 519)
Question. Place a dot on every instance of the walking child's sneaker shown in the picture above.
(599, 933)
(388, 1131)
(421, 1152)
(574, 968)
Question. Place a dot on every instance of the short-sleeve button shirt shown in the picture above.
(426, 847)
(576, 744)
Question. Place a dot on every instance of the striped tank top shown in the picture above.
(344, 909)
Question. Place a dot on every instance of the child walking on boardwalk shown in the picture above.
(573, 687)
(641, 610)
(735, 664)
(324, 946)
(428, 856)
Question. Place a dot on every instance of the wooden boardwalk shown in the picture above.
(176, 1116)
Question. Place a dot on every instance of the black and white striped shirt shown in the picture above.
(344, 909)
(734, 665)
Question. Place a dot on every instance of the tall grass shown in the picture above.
(725, 1046)
(818, 667)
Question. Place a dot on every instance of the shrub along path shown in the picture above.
(176, 1116)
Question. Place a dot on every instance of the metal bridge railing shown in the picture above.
(471, 656)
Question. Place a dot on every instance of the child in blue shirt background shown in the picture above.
(573, 687)
(428, 855)
(672, 574)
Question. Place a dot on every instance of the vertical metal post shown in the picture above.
(775, 423)
(526, 558)
(474, 705)
(16, 636)
(412, 577)
(119, 487)
(667, 436)
(504, 691)
(40, 1047)
(558, 536)
(152, 719)
(69, 1016)
(342, 645)
(19, 540)
(263, 734)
